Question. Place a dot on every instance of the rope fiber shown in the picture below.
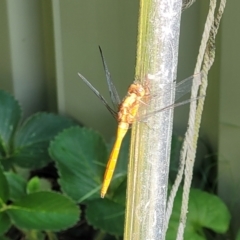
(205, 60)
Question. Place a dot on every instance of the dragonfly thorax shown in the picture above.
(128, 108)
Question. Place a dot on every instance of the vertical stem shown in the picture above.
(157, 51)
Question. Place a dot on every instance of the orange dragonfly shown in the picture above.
(126, 112)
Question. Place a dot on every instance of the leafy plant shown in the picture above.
(205, 211)
(81, 156)
(24, 203)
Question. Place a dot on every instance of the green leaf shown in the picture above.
(4, 189)
(10, 115)
(5, 223)
(213, 214)
(33, 185)
(37, 184)
(106, 215)
(80, 156)
(120, 193)
(17, 186)
(32, 140)
(44, 211)
(205, 211)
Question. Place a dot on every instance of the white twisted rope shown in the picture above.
(205, 59)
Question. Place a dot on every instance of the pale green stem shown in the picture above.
(157, 51)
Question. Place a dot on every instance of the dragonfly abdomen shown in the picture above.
(121, 132)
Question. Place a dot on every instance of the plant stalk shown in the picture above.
(157, 52)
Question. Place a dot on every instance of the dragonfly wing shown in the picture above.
(185, 85)
(98, 95)
(144, 118)
(179, 104)
(112, 89)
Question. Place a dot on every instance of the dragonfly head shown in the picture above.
(138, 89)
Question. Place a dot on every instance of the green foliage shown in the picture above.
(4, 190)
(37, 184)
(80, 156)
(205, 210)
(106, 214)
(48, 211)
(39, 210)
(16, 185)
(5, 222)
(32, 139)
(23, 202)
(10, 114)
(26, 145)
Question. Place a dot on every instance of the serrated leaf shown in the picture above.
(205, 211)
(106, 215)
(44, 211)
(32, 140)
(5, 222)
(10, 115)
(17, 186)
(80, 156)
(213, 214)
(4, 189)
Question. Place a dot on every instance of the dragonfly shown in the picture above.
(125, 112)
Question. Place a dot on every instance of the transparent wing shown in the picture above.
(181, 89)
(185, 85)
(98, 95)
(112, 89)
(143, 118)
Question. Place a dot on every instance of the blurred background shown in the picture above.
(44, 44)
